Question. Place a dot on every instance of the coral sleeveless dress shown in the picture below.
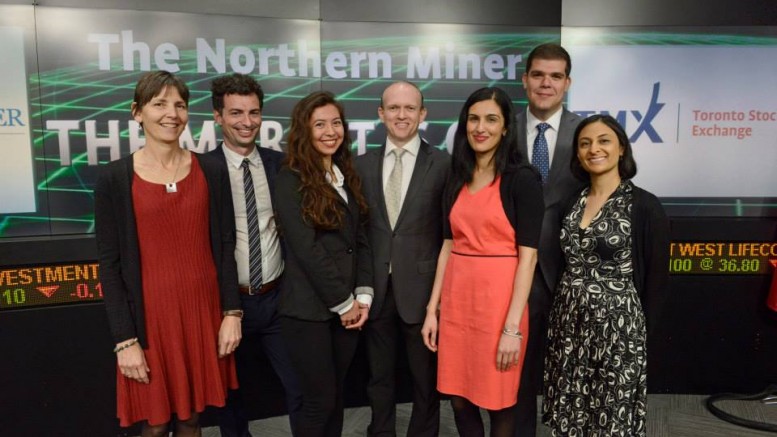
(476, 294)
(182, 306)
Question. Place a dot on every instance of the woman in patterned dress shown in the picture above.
(166, 237)
(615, 242)
(494, 208)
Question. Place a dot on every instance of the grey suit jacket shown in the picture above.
(560, 185)
(413, 246)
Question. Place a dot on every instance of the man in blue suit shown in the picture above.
(237, 108)
(546, 81)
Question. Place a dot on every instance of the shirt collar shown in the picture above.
(554, 121)
(236, 159)
(340, 179)
(412, 147)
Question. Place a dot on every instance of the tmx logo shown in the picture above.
(645, 121)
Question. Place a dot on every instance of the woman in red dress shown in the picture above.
(165, 233)
(494, 210)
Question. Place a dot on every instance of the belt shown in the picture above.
(265, 288)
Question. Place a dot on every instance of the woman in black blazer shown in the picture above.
(327, 286)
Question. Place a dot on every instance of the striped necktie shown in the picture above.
(254, 240)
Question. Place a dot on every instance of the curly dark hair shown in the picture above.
(235, 83)
(319, 200)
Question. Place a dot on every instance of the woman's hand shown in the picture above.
(351, 318)
(229, 335)
(132, 362)
(508, 352)
(364, 314)
(429, 331)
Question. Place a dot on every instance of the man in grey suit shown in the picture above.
(403, 182)
(545, 131)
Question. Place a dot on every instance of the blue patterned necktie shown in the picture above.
(540, 156)
(254, 242)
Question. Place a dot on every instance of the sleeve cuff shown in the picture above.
(343, 307)
(365, 299)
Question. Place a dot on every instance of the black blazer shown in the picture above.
(119, 254)
(413, 246)
(323, 267)
(271, 161)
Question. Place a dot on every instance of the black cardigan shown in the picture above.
(119, 254)
(649, 251)
(520, 191)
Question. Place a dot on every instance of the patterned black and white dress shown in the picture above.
(595, 368)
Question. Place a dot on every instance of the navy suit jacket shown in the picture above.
(271, 160)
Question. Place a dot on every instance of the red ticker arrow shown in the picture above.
(49, 290)
(773, 262)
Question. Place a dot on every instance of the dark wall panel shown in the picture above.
(304, 9)
(518, 13)
(669, 13)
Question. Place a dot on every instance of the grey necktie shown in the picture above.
(393, 190)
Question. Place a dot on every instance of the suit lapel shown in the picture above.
(376, 181)
(521, 132)
(270, 168)
(562, 152)
(352, 215)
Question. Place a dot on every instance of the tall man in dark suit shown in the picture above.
(403, 183)
(237, 108)
(545, 131)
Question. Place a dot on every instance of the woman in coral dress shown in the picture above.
(494, 210)
(165, 232)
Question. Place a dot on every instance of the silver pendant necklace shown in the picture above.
(172, 187)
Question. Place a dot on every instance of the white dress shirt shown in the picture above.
(551, 135)
(272, 261)
(408, 163)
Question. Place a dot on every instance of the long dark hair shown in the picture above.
(507, 155)
(627, 166)
(319, 200)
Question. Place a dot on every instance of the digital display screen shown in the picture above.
(49, 284)
(722, 258)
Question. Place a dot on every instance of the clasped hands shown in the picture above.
(356, 317)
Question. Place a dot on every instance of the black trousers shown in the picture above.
(320, 353)
(385, 333)
(261, 326)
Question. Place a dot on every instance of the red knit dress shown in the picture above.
(182, 306)
(476, 293)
